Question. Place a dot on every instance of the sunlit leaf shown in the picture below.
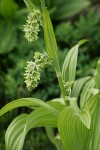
(70, 62)
(27, 102)
(18, 129)
(21, 125)
(95, 142)
(15, 132)
(74, 134)
(78, 85)
(86, 92)
(97, 76)
(50, 41)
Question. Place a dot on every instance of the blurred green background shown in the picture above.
(73, 20)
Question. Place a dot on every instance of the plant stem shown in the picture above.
(59, 76)
(56, 65)
(42, 4)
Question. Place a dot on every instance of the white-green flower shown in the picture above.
(67, 86)
(32, 75)
(33, 69)
(33, 23)
(42, 59)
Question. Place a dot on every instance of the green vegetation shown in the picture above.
(15, 51)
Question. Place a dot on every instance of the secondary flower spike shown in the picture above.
(32, 75)
(33, 69)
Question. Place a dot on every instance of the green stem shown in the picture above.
(42, 4)
(59, 76)
(56, 65)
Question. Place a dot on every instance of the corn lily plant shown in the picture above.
(76, 115)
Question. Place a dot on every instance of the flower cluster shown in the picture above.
(42, 59)
(32, 76)
(32, 25)
(67, 86)
(33, 69)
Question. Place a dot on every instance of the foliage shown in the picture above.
(66, 37)
(9, 17)
(86, 26)
(34, 140)
(62, 9)
(75, 115)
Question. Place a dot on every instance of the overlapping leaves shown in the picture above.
(74, 129)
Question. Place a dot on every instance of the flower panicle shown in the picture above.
(33, 69)
(31, 28)
(42, 59)
(32, 76)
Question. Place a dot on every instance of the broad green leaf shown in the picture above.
(92, 103)
(41, 111)
(51, 45)
(46, 117)
(18, 129)
(27, 102)
(78, 85)
(74, 134)
(30, 5)
(84, 113)
(95, 142)
(94, 107)
(56, 101)
(7, 37)
(15, 132)
(97, 76)
(42, 115)
(8, 8)
(86, 92)
(70, 62)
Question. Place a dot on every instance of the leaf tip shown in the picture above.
(82, 42)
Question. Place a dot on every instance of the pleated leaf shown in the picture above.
(15, 132)
(94, 107)
(18, 129)
(50, 40)
(51, 118)
(86, 92)
(95, 141)
(74, 129)
(27, 102)
(78, 85)
(70, 62)
(97, 76)
(92, 103)
(21, 125)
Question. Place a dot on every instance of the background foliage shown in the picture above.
(15, 52)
